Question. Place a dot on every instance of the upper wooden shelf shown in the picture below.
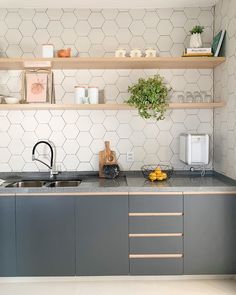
(116, 63)
(47, 106)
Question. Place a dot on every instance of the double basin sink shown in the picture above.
(44, 183)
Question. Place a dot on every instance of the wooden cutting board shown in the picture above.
(106, 157)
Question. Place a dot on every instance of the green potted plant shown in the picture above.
(150, 97)
(196, 40)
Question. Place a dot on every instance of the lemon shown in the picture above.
(152, 176)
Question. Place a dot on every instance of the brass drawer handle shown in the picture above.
(155, 235)
(149, 214)
(149, 256)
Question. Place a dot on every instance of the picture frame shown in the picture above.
(38, 86)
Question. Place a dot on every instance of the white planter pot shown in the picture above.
(195, 41)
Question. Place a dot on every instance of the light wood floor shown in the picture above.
(121, 287)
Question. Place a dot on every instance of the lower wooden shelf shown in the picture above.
(47, 106)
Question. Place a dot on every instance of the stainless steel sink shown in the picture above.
(27, 183)
(64, 183)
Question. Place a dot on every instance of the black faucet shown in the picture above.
(52, 172)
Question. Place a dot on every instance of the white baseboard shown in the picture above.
(112, 278)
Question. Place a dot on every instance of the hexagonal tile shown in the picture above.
(123, 19)
(57, 138)
(124, 146)
(13, 20)
(192, 12)
(27, 28)
(191, 122)
(27, 44)
(26, 13)
(70, 147)
(4, 155)
(137, 123)
(110, 44)
(178, 19)
(68, 36)
(43, 131)
(3, 28)
(84, 123)
(97, 131)
(137, 138)
(97, 145)
(71, 162)
(151, 131)
(96, 36)
(110, 92)
(178, 35)
(164, 138)
(68, 20)
(55, 28)
(84, 154)
(178, 116)
(205, 116)
(110, 28)
(165, 43)
(111, 123)
(29, 123)
(151, 146)
(43, 116)
(151, 19)
(15, 131)
(205, 83)
(15, 117)
(17, 163)
(137, 28)
(41, 20)
(164, 27)
(70, 116)
(84, 139)
(68, 84)
(4, 139)
(16, 147)
(112, 137)
(41, 36)
(71, 131)
(13, 36)
(192, 76)
(150, 35)
(82, 28)
(178, 83)
(96, 50)
(29, 139)
(123, 35)
(56, 123)
(54, 14)
(83, 44)
(96, 20)
(206, 19)
(122, 84)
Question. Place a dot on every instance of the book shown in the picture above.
(197, 54)
(217, 42)
(198, 50)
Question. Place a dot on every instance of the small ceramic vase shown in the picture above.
(196, 41)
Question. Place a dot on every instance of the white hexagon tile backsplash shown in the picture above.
(79, 135)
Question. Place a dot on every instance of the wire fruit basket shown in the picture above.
(157, 172)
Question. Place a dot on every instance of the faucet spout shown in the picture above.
(40, 161)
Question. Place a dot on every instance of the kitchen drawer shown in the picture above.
(160, 245)
(156, 266)
(156, 224)
(156, 203)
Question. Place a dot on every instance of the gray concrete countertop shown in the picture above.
(129, 182)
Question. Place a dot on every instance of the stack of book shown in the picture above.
(197, 52)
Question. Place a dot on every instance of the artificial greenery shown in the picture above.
(197, 30)
(149, 96)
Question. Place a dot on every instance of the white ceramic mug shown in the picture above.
(93, 94)
(79, 94)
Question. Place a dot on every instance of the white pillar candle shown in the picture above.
(93, 95)
(79, 94)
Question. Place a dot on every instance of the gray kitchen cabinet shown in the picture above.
(210, 233)
(156, 229)
(45, 227)
(7, 236)
(102, 246)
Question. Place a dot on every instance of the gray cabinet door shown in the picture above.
(102, 235)
(210, 234)
(7, 236)
(45, 227)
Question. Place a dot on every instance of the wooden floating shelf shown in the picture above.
(124, 106)
(116, 63)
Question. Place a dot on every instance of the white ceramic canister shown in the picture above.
(120, 52)
(93, 94)
(136, 52)
(47, 51)
(79, 94)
